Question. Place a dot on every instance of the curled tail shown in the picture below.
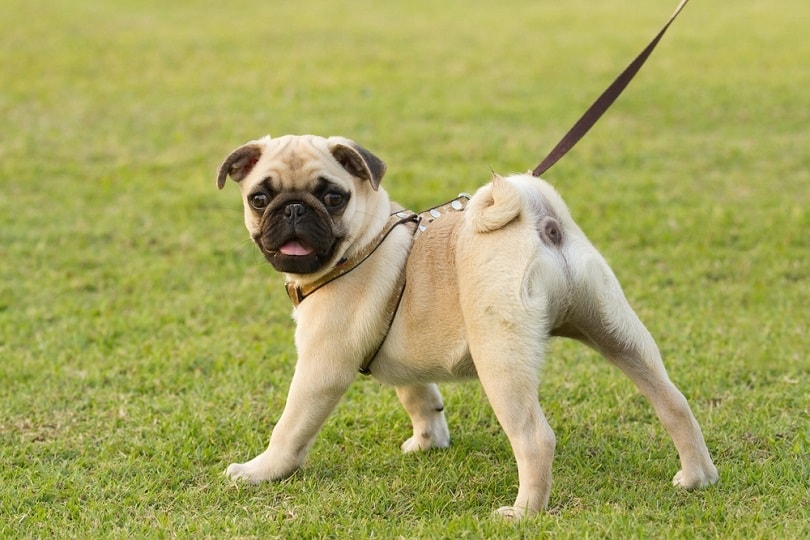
(495, 205)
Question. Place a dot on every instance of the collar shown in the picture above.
(298, 293)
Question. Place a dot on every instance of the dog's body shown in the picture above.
(485, 289)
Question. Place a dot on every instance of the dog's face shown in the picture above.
(305, 197)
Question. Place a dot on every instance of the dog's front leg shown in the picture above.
(313, 394)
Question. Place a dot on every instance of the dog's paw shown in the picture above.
(695, 479)
(267, 466)
(510, 513)
(259, 469)
(244, 472)
(438, 438)
(416, 444)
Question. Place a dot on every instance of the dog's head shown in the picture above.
(305, 197)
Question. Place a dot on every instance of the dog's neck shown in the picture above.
(298, 292)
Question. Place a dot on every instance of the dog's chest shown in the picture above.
(427, 340)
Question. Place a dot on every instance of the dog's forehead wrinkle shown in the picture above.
(279, 176)
(298, 174)
(287, 175)
(293, 162)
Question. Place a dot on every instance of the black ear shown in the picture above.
(239, 163)
(358, 161)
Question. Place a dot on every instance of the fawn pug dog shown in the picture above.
(472, 289)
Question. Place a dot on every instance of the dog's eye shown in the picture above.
(333, 199)
(259, 201)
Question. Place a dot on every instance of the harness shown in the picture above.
(299, 293)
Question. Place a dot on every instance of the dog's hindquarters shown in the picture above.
(599, 315)
(523, 236)
(556, 280)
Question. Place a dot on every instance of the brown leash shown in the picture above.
(603, 102)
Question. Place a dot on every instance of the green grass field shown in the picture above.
(144, 344)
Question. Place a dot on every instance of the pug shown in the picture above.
(472, 288)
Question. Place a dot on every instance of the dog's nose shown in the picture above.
(294, 211)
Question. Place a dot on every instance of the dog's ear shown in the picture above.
(239, 163)
(357, 160)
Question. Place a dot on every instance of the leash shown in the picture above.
(603, 102)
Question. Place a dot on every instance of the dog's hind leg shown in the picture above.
(508, 367)
(608, 323)
(508, 353)
(423, 403)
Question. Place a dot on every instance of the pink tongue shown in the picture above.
(294, 248)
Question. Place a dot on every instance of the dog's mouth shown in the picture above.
(295, 248)
(295, 255)
(295, 237)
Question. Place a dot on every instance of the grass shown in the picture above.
(145, 345)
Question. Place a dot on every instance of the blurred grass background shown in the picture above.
(145, 345)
